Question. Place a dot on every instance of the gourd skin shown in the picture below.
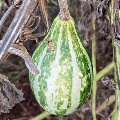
(64, 82)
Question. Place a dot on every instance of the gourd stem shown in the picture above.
(64, 12)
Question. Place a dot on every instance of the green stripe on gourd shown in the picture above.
(64, 82)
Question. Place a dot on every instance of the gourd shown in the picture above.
(64, 82)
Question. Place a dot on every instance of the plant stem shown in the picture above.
(104, 71)
(117, 78)
(115, 14)
(64, 12)
(94, 85)
(41, 116)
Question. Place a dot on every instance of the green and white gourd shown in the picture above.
(64, 82)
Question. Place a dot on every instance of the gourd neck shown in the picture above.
(64, 12)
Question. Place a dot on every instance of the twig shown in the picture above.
(20, 19)
(8, 12)
(27, 58)
(103, 105)
(45, 16)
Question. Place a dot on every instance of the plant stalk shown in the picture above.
(41, 116)
(115, 14)
(94, 85)
(117, 79)
(44, 13)
(64, 12)
(104, 71)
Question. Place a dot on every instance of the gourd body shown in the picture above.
(64, 82)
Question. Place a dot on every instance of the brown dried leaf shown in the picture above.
(10, 95)
(4, 104)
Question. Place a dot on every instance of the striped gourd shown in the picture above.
(64, 82)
